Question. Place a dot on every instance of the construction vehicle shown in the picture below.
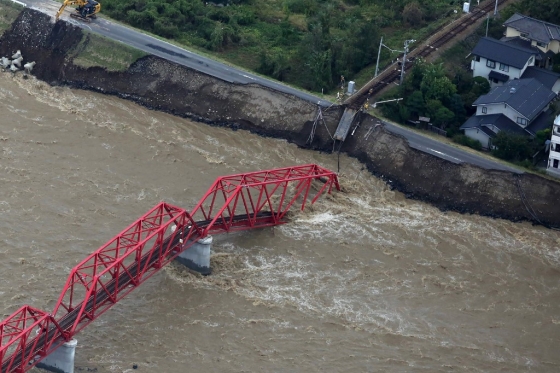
(86, 9)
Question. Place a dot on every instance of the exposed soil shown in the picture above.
(161, 85)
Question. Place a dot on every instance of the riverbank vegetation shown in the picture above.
(98, 51)
(8, 14)
(308, 43)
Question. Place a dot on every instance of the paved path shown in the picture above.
(219, 70)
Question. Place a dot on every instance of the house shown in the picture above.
(543, 35)
(542, 59)
(550, 79)
(520, 106)
(499, 61)
(526, 31)
(554, 155)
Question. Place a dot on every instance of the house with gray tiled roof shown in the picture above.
(520, 106)
(542, 59)
(536, 34)
(499, 61)
(549, 78)
(543, 35)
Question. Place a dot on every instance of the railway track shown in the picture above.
(441, 38)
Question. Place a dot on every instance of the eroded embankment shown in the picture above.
(162, 85)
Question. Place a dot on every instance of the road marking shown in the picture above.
(443, 154)
(19, 2)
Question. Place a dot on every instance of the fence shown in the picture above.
(439, 131)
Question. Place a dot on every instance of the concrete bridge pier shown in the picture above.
(60, 360)
(197, 257)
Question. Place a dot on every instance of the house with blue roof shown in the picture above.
(499, 61)
(519, 106)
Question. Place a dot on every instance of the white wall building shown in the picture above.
(500, 62)
(519, 107)
(554, 156)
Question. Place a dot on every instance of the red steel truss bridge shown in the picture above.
(233, 203)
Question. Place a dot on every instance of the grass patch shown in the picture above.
(96, 50)
(9, 11)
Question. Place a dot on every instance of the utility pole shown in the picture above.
(496, 9)
(406, 44)
(378, 56)
(487, 21)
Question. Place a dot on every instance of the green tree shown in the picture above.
(545, 10)
(222, 35)
(417, 73)
(432, 106)
(317, 56)
(511, 147)
(404, 114)
(412, 14)
(464, 81)
(540, 139)
(436, 85)
(274, 63)
(415, 103)
(481, 86)
(443, 116)
(458, 108)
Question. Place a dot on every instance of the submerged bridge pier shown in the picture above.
(197, 257)
(30, 336)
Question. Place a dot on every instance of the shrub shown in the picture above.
(467, 141)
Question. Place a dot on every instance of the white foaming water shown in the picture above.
(362, 279)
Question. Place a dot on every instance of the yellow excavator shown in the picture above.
(85, 10)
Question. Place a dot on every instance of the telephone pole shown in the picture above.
(406, 44)
(378, 56)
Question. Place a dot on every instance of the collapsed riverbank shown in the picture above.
(162, 85)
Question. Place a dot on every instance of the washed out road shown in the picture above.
(168, 51)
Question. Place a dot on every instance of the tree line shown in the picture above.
(310, 43)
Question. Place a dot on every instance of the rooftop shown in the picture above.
(503, 52)
(535, 29)
(527, 96)
(543, 121)
(546, 77)
(502, 122)
(524, 43)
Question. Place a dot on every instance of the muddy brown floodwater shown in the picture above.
(364, 281)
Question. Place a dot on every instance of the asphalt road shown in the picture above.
(445, 151)
(169, 51)
(219, 70)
